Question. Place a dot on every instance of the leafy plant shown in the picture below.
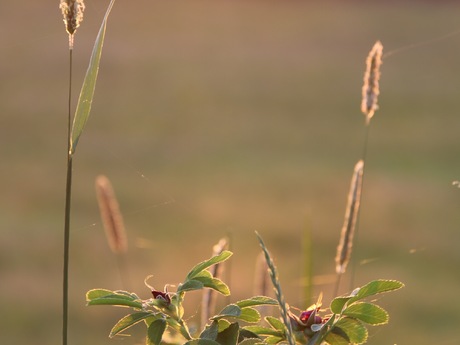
(240, 322)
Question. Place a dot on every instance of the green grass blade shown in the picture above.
(89, 84)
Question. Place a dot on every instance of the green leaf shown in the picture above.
(251, 341)
(274, 340)
(338, 303)
(97, 293)
(275, 323)
(113, 298)
(354, 330)
(232, 310)
(155, 332)
(376, 287)
(204, 273)
(213, 283)
(368, 313)
(249, 315)
(128, 321)
(210, 332)
(259, 330)
(247, 334)
(229, 336)
(190, 285)
(336, 339)
(207, 263)
(256, 301)
(201, 342)
(89, 84)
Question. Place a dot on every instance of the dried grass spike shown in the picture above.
(111, 215)
(72, 11)
(345, 246)
(371, 81)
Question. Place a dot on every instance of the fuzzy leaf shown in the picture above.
(229, 336)
(128, 321)
(259, 330)
(202, 342)
(190, 285)
(247, 334)
(97, 293)
(251, 341)
(354, 330)
(210, 332)
(336, 339)
(275, 323)
(256, 301)
(368, 313)
(249, 315)
(214, 283)
(89, 84)
(376, 287)
(155, 332)
(232, 310)
(223, 324)
(273, 340)
(207, 263)
(106, 297)
(338, 303)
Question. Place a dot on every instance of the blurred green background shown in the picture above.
(216, 118)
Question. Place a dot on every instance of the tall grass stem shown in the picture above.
(68, 194)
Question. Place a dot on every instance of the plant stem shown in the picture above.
(68, 192)
(364, 154)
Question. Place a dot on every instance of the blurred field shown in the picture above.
(225, 117)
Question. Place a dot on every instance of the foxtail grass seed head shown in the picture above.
(371, 81)
(72, 11)
(345, 246)
(111, 216)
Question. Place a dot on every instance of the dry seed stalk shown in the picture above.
(72, 11)
(111, 215)
(371, 81)
(209, 297)
(348, 230)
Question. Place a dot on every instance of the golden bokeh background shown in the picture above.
(219, 118)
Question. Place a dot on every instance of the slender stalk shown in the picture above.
(353, 259)
(279, 294)
(68, 193)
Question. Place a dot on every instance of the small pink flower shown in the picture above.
(309, 317)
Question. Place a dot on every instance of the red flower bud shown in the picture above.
(163, 296)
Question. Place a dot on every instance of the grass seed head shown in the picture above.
(345, 246)
(111, 215)
(72, 11)
(371, 81)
